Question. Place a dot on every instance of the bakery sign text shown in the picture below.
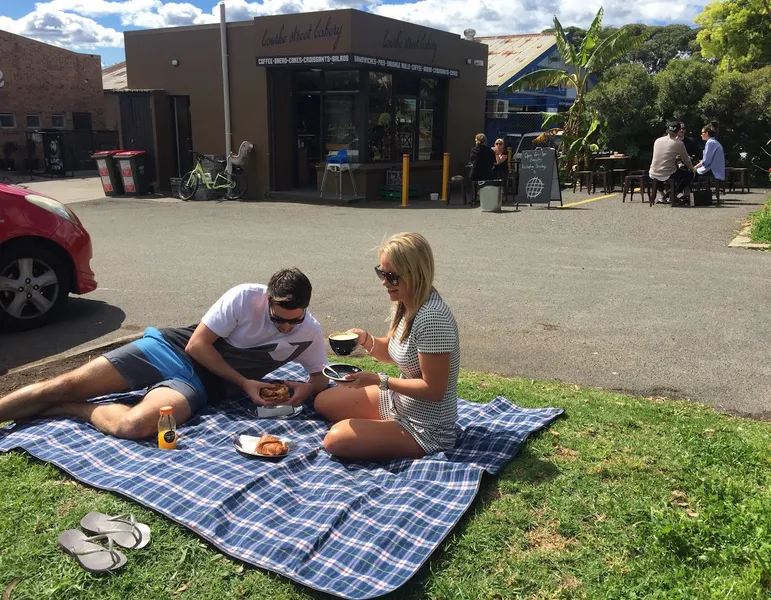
(319, 30)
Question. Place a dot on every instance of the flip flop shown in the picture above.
(121, 529)
(92, 557)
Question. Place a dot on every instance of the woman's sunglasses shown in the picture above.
(275, 319)
(392, 278)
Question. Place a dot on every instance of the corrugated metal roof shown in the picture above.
(114, 77)
(507, 55)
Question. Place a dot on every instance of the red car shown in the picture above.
(44, 256)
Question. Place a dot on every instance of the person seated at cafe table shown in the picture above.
(249, 332)
(667, 151)
(713, 162)
(501, 166)
(377, 417)
(482, 162)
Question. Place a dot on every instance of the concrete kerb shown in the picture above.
(742, 240)
(99, 348)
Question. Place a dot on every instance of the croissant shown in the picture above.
(270, 446)
(279, 393)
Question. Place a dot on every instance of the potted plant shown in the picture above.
(31, 162)
(9, 149)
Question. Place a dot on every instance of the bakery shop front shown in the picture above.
(304, 86)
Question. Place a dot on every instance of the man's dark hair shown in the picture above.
(709, 130)
(674, 126)
(290, 289)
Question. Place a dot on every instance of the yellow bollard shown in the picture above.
(509, 150)
(445, 175)
(405, 179)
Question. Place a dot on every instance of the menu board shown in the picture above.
(539, 178)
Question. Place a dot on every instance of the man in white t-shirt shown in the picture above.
(248, 333)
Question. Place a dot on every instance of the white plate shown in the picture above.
(342, 369)
(271, 412)
(243, 442)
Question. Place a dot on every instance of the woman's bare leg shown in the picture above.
(342, 402)
(368, 439)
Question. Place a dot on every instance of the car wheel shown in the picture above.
(34, 286)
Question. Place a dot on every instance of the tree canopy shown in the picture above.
(738, 31)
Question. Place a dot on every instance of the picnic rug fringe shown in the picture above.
(352, 529)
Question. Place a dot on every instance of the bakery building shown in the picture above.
(302, 86)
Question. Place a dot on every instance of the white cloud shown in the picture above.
(73, 23)
(63, 29)
(531, 16)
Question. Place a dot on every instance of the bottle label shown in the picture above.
(169, 437)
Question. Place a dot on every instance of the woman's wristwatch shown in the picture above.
(383, 385)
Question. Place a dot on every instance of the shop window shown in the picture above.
(58, 122)
(34, 121)
(341, 81)
(7, 121)
(406, 84)
(428, 95)
(340, 124)
(307, 81)
(380, 123)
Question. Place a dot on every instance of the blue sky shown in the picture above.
(96, 26)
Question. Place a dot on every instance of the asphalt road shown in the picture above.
(619, 296)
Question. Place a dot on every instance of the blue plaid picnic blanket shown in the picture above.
(352, 529)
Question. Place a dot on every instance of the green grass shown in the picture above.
(760, 229)
(623, 497)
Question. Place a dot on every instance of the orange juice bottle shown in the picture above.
(167, 429)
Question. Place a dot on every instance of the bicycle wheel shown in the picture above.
(238, 185)
(188, 185)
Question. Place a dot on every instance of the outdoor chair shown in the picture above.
(636, 180)
(457, 183)
(510, 184)
(582, 179)
(337, 163)
(656, 186)
(617, 174)
(604, 176)
(743, 176)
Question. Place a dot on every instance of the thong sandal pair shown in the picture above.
(122, 530)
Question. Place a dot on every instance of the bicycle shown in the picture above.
(230, 180)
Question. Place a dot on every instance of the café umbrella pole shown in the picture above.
(225, 80)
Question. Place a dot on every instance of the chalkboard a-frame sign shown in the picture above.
(539, 178)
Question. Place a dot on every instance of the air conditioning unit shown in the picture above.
(497, 108)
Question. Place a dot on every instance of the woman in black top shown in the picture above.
(482, 159)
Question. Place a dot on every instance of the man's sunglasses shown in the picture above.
(392, 278)
(276, 319)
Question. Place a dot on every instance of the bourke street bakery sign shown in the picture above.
(320, 29)
(414, 44)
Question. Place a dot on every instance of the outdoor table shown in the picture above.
(613, 157)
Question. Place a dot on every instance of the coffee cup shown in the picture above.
(343, 344)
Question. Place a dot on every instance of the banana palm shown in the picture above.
(594, 55)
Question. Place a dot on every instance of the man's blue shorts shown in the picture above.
(152, 362)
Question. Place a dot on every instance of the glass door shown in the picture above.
(307, 120)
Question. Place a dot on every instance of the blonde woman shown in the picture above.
(501, 167)
(378, 417)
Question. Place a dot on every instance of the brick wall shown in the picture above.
(46, 80)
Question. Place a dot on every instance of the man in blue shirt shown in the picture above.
(713, 163)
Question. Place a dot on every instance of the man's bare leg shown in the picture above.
(93, 379)
(127, 422)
